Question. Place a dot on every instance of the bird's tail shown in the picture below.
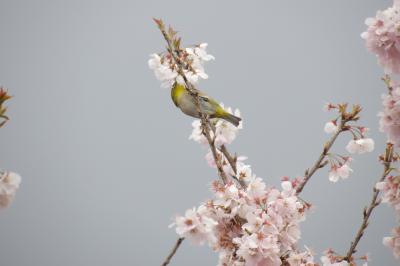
(231, 118)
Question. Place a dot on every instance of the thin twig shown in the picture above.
(232, 162)
(318, 164)
(231, 159)
(374, 203)
(173, 251)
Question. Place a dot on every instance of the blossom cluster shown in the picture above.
(390, 189)
(331, 260)
(359, 144)
(257, 225)
(9, 183)
(383, 37)
(390, 116)
(166, 69)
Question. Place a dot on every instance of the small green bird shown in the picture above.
(182, 99)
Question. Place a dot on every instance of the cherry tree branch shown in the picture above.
(319, 163)
(173, 251)
(374, 203)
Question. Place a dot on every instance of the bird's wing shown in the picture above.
(206, 98)
(209, 105)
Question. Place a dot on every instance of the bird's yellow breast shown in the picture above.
(176, 92)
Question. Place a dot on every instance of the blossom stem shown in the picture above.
(374, 203)
(318, 164)
(173, 251)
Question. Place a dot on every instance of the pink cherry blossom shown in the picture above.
(382, 38)
(390, 188)
(196, 227)
(338, 172)
(390, 116)
(328, 262)
(393, 242)
(330, 258)
(225, 132)
(360, 146)
(244, 172)
(197, 133)
(305, 258)
(9, 183)
(331, 127)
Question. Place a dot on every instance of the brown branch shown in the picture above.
(319, 164)
(232, 162)
(231, 159)
(374, 203)
(173, 251)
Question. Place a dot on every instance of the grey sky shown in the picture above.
(105, 156)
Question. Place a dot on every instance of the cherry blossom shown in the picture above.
(9, 183)
(331, 127)
(393, 242)
(165, 68)
(200, 52)
(305, 258)
(331, 258)
(196, 227)
(390, 188)
(338, 172)
(391, 192)
(197, 133)
(225, 132)
(360, 146)
(244, 172)
(328, 262)
(229, 259)
(390, 116)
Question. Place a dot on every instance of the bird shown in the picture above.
(210, 107)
